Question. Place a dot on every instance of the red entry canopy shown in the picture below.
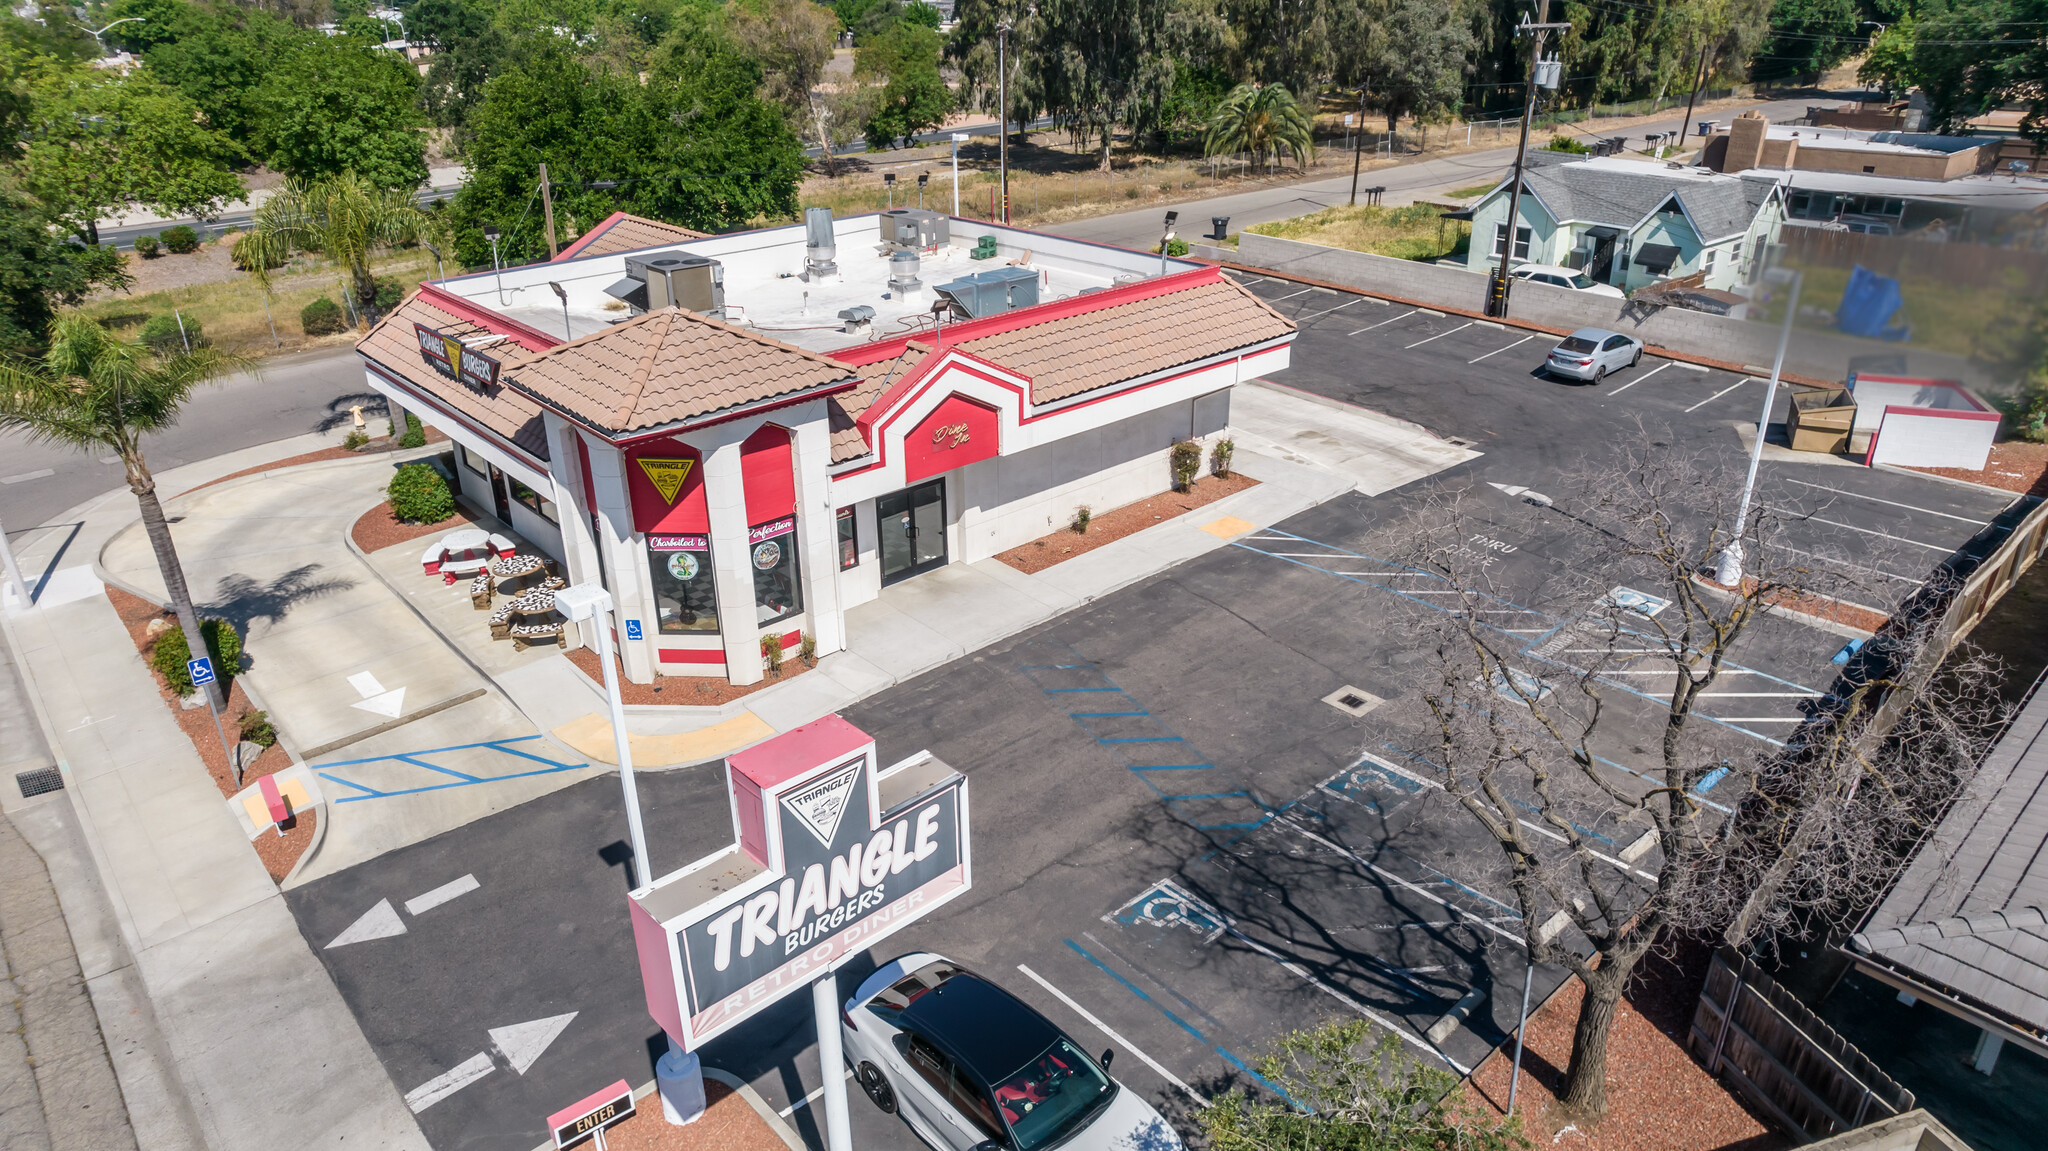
(958, 432)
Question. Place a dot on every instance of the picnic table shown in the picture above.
(509, 569)
(464, 552)
(528, 618)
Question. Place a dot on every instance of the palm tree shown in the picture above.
(96, 392)
(1261, 120)
(345, 218)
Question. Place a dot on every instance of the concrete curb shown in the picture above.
(776, 1123)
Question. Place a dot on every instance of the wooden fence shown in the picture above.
(1784, 1058)
(1976, 265)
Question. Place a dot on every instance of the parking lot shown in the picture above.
(1183, 849)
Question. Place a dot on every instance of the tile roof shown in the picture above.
(846, 407)
(394, 347)
(1967, 914)
(1616, 194)
(666, 367)
(621, 232)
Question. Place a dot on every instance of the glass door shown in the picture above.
(912, 530)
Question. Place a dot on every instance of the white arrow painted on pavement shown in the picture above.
(441, 895)
(448, 1082)
(1537, 498)
(380, 922)
(390, 704)
(522, 1043)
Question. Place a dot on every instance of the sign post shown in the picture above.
(833, 854)
(201, 671)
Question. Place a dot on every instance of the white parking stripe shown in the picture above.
(1384, 323)
(1498, 351)
(1327, 311)
(1639, 379)
(1119, 1040)
(1893, 503)
(1290, 295)
(1719, 394)
(1942, 548)
(808, 1099)
(1439, 335)
(1844, 563)
(1749, 694)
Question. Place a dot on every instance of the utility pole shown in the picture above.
(1360, 149)
(1497, 284)
(1003, 97)
(547, 206)
(1699, 80)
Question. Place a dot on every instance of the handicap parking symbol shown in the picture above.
(201, 670)
(1164, 904)
(632, 629)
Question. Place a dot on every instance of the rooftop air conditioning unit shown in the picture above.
(915, 228)
(992, 292)
(673, 278)
(821, 244)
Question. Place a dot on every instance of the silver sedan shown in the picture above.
(1591, 353)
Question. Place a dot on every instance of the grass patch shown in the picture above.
(1415, 232)
(231, 311)
(1474, 190)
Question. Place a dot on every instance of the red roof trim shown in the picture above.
(912, 381)
(532, 339)
(1045, 313)
(569, 253)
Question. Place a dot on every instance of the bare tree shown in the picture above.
(793, 41)
(1593, 736)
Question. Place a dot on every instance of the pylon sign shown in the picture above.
(831, 856)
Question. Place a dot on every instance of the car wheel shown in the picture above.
(1638, 359)
(877, 1086)
(1599, 373)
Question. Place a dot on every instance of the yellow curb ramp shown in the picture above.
(1228, 527)
(591, 735)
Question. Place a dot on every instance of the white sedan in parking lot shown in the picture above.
(1558, 277)
(1591, 353)
(972, 1068)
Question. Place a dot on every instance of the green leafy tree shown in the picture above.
(1808, 37)
(346, 218)
(219, 61)
(1264, 121)
(455, 79)
(161, 21)
(41, 270)
(1971, 55)
(1351, 1089)
(339, 105)
(1888, 65)
(1103, 63)
(1412, 58)
(972, 49)
(97, 393)
(792, 40)
(100, 142)
(443, 24)
(914, 98)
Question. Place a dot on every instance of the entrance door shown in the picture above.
(501, 499)
(912, 527)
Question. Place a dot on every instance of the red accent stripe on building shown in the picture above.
(532, 339)
(691, 654)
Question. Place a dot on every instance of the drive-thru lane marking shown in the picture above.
(1115, 1038)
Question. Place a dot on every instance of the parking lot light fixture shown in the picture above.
(1166, 239)
(588, 603)
(1728, 567)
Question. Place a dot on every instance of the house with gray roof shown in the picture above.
(1629, 223)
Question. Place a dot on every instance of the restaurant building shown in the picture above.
(749, 434)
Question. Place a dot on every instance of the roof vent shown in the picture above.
(857, 317)
(903, 268)
(821, 243)
(992, 292)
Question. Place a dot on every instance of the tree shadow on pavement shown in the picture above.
(242, 601)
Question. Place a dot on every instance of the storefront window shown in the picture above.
(473, 462)
(684, 600)
(772, 551)
(849, 542)
(545, 508)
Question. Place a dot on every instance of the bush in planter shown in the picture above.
(181, 239)
(256, 728)
(148, 247)
(322, 317)
(1219, 457)
(165, 337)
(171, 652)
(415, 436)
(1082, 515)
(771, 654)
(807, 651)
(1187, 463)
(420, 495)
(355, 440)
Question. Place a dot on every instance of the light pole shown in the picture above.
(492, 233)
(443, 268)
(1515, 1080)
(923, 178)
(959, 138)
(589, 602)
(96, 35)
(1728, 568)
(1165, 238)
(1498, 282)
(1003, 130)
(563, 296)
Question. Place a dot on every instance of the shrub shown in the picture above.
(181, 239)
(1564, 143)
(355, 439)
(243, 259)
(322, 317)
(171, 652)
(420, 495)
(389, 292)
(257, 729)
(1219, 456)
(415, 436)
(807, 651)
(165, 337)
(148, 247)
(1174, 247)
(771, 653)
(1082, 515)
(1187, 462)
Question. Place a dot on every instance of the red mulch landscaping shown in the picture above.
(728, 1124)
(2016, 466)
(680, 690)
(278, 853)
(1658, 1096)
(378, 528)
(1111, 526)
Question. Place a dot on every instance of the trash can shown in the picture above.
(1821, 420)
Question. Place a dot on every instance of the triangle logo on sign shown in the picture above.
(821, 804)
(667, 476)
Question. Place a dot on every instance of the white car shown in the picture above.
(971, 1068)
(1591, 353)
(1571, 278)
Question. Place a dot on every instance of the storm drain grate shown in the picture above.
(1353, 701)
(41, 781)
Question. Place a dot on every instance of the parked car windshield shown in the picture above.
(1582, 281)
(1576, 344)
(1052, 1095)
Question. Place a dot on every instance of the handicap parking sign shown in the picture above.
(201, 670)
(632, 629)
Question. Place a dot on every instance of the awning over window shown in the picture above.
(1602, 232)
(1657, 258)
(1459, 214)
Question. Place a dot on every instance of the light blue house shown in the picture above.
(1629, 223)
